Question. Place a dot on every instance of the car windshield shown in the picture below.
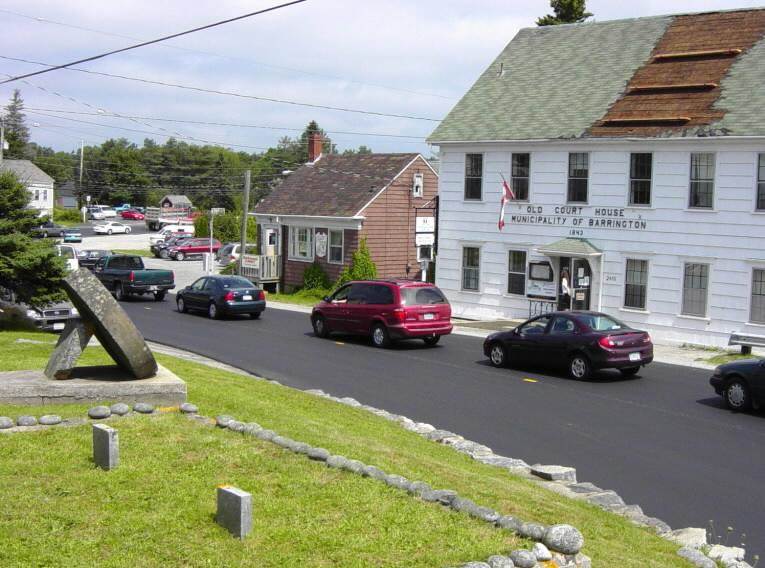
(235, 282)
(420, 296)
(66, 252)
(600, 322)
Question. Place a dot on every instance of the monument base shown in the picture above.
(91, 384)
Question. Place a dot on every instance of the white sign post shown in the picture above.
(213, 212)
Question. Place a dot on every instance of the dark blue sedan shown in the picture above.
(741, 383)
(222, 296)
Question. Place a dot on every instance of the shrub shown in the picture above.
(314, 278)
(362, 266)
(61, 215)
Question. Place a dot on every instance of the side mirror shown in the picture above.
(326, 298)
(516, 331)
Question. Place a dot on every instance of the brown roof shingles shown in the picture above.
(334, 186)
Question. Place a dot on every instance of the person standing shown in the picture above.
(564, 300)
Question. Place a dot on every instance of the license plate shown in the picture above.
(246, 298)
(153, 288)
(429, 316)
(58, 326)
(634, 356)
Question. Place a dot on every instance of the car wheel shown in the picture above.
(159, 296)
(212, 311)
(109, 232)
(320, 328)
(498, 355)
(380, 337)
(431, 341)
(163, 254)
(179, 256)
(181, 303)
(629, 371)
(737, 396)
(119, 293)
(579, 367)
(255, 315)
(45, 235)
(127, 230)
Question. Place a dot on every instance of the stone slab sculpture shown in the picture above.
(102, 316)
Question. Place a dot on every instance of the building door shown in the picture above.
(581, 278)
(271, 241)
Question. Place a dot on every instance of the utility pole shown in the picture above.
(245, 218)
(2, 139)
(82, 154)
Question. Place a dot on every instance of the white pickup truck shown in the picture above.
(158, 217)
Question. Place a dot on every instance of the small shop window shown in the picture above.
(473, 176)
(301, 243)
(641, 166)
(702, 180)
(578, 176)
(424, 252)
(695, 286)
(757, 314)
(336, 247)
(471, 268)
(516, 272)
(519, 171)
(636, 284)
(761, 182)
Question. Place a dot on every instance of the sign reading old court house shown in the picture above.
(579, 216)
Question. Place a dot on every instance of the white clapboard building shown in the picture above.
(636, 153)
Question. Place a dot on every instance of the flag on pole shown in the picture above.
(507, 195)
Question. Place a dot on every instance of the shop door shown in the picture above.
(581, 278)
(271, 241)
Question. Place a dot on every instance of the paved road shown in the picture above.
(661, 440)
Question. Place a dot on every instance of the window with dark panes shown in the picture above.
(641, 166)
(516, 272)
(636, 284)
(702, 180)
(336, 247)
(519, 171)
(761, 182)
(695, 285)
(471, 267)
(757, 312)
(473, 176)
(578, 176)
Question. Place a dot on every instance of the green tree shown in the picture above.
(226, 227)
(29, 268)
(362, 150)
(565, 12)
(314, 278)
(362, 267)
(16, 131)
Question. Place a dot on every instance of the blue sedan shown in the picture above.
(71, 235)
(220, 295)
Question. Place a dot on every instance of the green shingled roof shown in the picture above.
(570, 247)
(556, 81)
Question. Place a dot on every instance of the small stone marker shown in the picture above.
(234, 510)
(106, 447)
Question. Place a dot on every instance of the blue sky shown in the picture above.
(390, 56)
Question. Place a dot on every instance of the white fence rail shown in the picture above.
(261, 268)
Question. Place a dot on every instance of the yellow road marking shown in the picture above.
(530, 380)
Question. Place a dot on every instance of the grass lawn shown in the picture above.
(303, 297)
(159, 504)
(137, 252)
(723, 358)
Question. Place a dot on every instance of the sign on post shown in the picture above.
(424, 239)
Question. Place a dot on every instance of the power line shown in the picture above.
(145, 43)
(234, 58)
(223, 93)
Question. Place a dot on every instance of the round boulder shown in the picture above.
(498, 561)
(236, 426)
(222, 420)
(120, 409)
(5, 423)
(50, 420)
(523, 559)
(26, 421)
(318, 454)
(338, 462)
(564, 538)
(188, 408)
(144, 408)
(99, 412)
(532, 531)
(542, 553)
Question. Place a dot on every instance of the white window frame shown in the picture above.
(420, 256)
(682, 288)
(759, 156)
(525, 273)
(464, 176)
(293, 244)
(512, 185)
(463, 246)
(648, 205)
(688, 206)
(569, 178)
(647, 283)
(751, 296)
(329, 246)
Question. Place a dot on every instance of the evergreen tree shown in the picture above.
(566, 12)
(362, 266)
(29, 268)
(16, 131)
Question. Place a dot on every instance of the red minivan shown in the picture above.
(192, 247)
(386, 311)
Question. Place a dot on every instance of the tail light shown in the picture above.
(646, 338)
(399, 314)
(261, 295)
(229, 297)
(606, 342)
(132, 276)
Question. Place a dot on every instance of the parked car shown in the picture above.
(95, 213)
(163, 234)
(230, 253)
(71, 236)
(581, 341)
(70, 255)
(132, 214)
(123, 207)
(741, 383)
(89, 257)
(159, 249)
(220, 295)
(125, 274)
(386, 311)
(189, 248)
(110, 228)
(47, 229)
(52, 317)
